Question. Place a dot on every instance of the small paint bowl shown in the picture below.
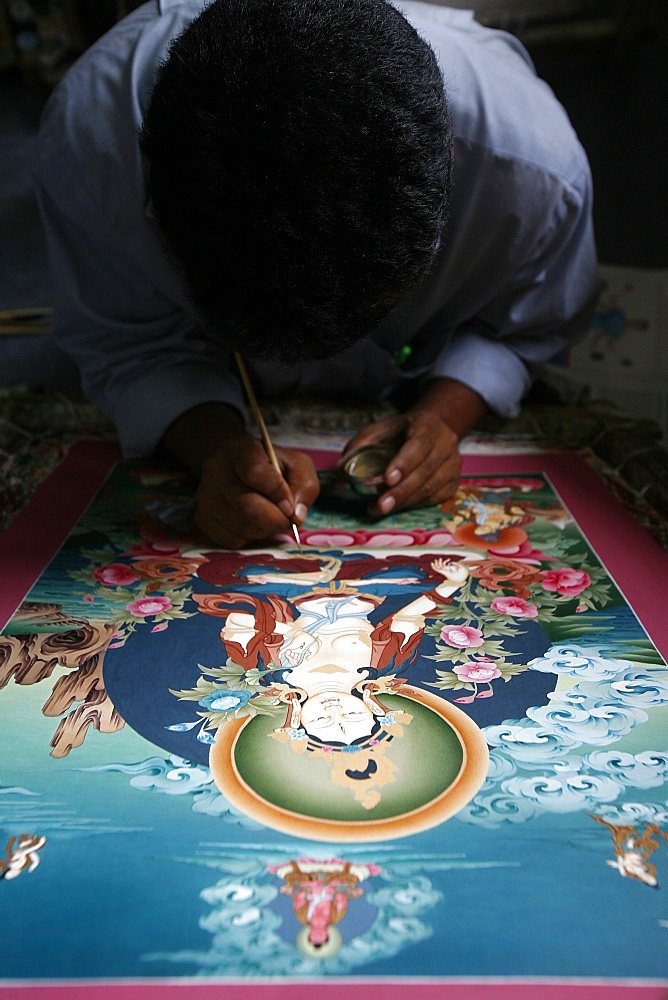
(364, 468)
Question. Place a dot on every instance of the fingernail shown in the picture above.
(393, 477)
(301, 510)
(286, 507)
(385, 504)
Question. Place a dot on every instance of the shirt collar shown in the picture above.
(165, 5)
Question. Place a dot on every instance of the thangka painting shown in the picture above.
(427, 749)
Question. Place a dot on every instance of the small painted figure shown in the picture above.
(321, 891)
(633, 850)
(21, 855)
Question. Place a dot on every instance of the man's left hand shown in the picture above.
(426, 467)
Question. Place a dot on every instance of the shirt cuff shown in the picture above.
(490, 368)
(148, 407)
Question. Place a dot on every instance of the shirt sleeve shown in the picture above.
(544, 306)
(144, 359)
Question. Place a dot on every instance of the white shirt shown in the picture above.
(513, 284)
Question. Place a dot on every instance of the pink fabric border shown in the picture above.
(38, 531)
(333, 990)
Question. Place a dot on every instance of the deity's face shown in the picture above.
(337, 717)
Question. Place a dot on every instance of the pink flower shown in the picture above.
(567, 581)
(115, 575)
(480, 671)
(160, 627)
(147, 606)
(462, 636)
(88, 598)
(515, 606)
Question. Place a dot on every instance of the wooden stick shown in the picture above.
(25, 321)
(22, 329)
(257, 413)
(38, 312)
(259, 420)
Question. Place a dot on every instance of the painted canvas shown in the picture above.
(427, 751)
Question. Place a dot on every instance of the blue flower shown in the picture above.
(224, 700)
(298, 734)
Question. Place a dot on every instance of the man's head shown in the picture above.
(299, 155)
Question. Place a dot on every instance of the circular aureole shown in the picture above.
(460, 788)
(328, 949)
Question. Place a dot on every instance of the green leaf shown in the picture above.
(170, 614)
(82, 575)
(202, 688)
(508, 670)
(448, 681)
(118, 595)
(228, 672)
(100, 556)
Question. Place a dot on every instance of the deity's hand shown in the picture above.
(241, 498)
(297, 650)
(454, 572)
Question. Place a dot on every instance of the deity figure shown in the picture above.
(321, 646)
(321, 892)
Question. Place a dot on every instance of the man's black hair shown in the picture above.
(299, 157)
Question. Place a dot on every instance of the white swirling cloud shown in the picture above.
(586, 720)
(633, 813)
(493, 807)
(610, 699)
(528, 743)
(586, 662)
(641, 770)
(561, 793)
(176, 776)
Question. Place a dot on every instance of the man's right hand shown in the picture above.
(241, 497)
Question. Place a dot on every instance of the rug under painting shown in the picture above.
(429, 748)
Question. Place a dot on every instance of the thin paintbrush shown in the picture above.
(266, 440)
(15, 322)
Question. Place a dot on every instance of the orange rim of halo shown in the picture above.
(472, 773)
